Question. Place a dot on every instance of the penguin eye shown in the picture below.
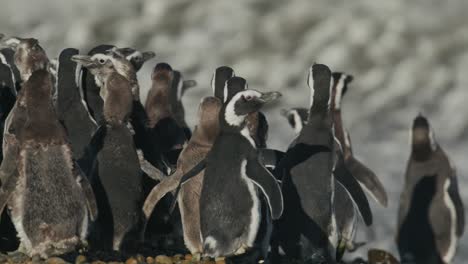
(102, 61)
(248, 97)
(137, 58)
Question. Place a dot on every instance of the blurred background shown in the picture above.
(406, 56)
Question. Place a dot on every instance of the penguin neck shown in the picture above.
(158, 104)
(339, 132)
(203, 136)
(421, 151)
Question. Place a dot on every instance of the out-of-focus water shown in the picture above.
(406, 57)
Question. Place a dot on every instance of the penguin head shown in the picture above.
(319, 82)
(244, 103)
(162, 72)
(297, 117)
(29, 55)
(135, 57)
(208, 113)
(422, 137)
(339, 87)
(218, 82)
(232, 86)
(100, 65)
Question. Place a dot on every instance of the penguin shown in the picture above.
(135, 57)
(196, 150)
(308, 229)
(229, 205)
(38, 170)
(115, 171)
(71, 108)
(431, 216)
(179, 86)
(9, 241)
(165, 138)
(366, 177)
(7, 54)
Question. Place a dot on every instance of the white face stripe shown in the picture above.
(12, 41)
(297, 121)
(134, 55)
(246, 133)
(432, 140)
(180, 87)
(230, 114)
(213, 82)
(255, 216)
(311, 86)
(3, 59)
(225, 92)
(448, 256)
(339, 90)
(330, 93)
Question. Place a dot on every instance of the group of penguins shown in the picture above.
(85, 163)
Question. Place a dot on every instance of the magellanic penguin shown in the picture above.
(71, 108)
(165, 138)
(48, 196)
(345, 212)
(364, 175)
(115, 170)
(179, 86)
(308, 228)
(431, 217)
(196, 150)
(256, 122)
(229, 202)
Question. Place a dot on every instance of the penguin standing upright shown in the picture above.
(165, 138)
(308, 229)
(47, 195)
(71, 108)
(369, 181)
(179, 86)
(197, 147)
(115, 170)
(229, 203)
(431, 216)
(7, 57)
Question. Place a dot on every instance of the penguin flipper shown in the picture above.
(268, 184)
(190, 174)
(270, 157)
(457, 201)
(166, 185)
(87, 191)
(368, 179)
(8, 174)
(343, 175)
(149, 169)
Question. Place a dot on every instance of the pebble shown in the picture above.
(163, 260)
(150, 260)
(98, 262)
(55, 260)
(80, 259)
(131, 261)
(188, 257)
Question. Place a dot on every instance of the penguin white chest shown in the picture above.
(255, 216)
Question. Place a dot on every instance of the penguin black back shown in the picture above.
(71, 108)
(218, 81)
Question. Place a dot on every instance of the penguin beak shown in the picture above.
(148, 55)
(84, 60)
(270, 96)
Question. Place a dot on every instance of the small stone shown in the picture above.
(55, 260)
(98, 262)
(131, 261)
(150, 260)
(140, 258)
(188, 257)
(221, 261)
(80, 259)
(163, 260)
(115, 262)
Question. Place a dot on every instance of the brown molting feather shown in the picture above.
(126, 69)
(118, 99)
(157, 103)
(29, 57)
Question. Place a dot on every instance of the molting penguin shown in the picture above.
(71, 108)
(431, 216)
(197, 147)
(229, 205)
(179, 86)
(165, 138)
(364, 175)
(309, 231)
(48, 196)
(115, 170)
